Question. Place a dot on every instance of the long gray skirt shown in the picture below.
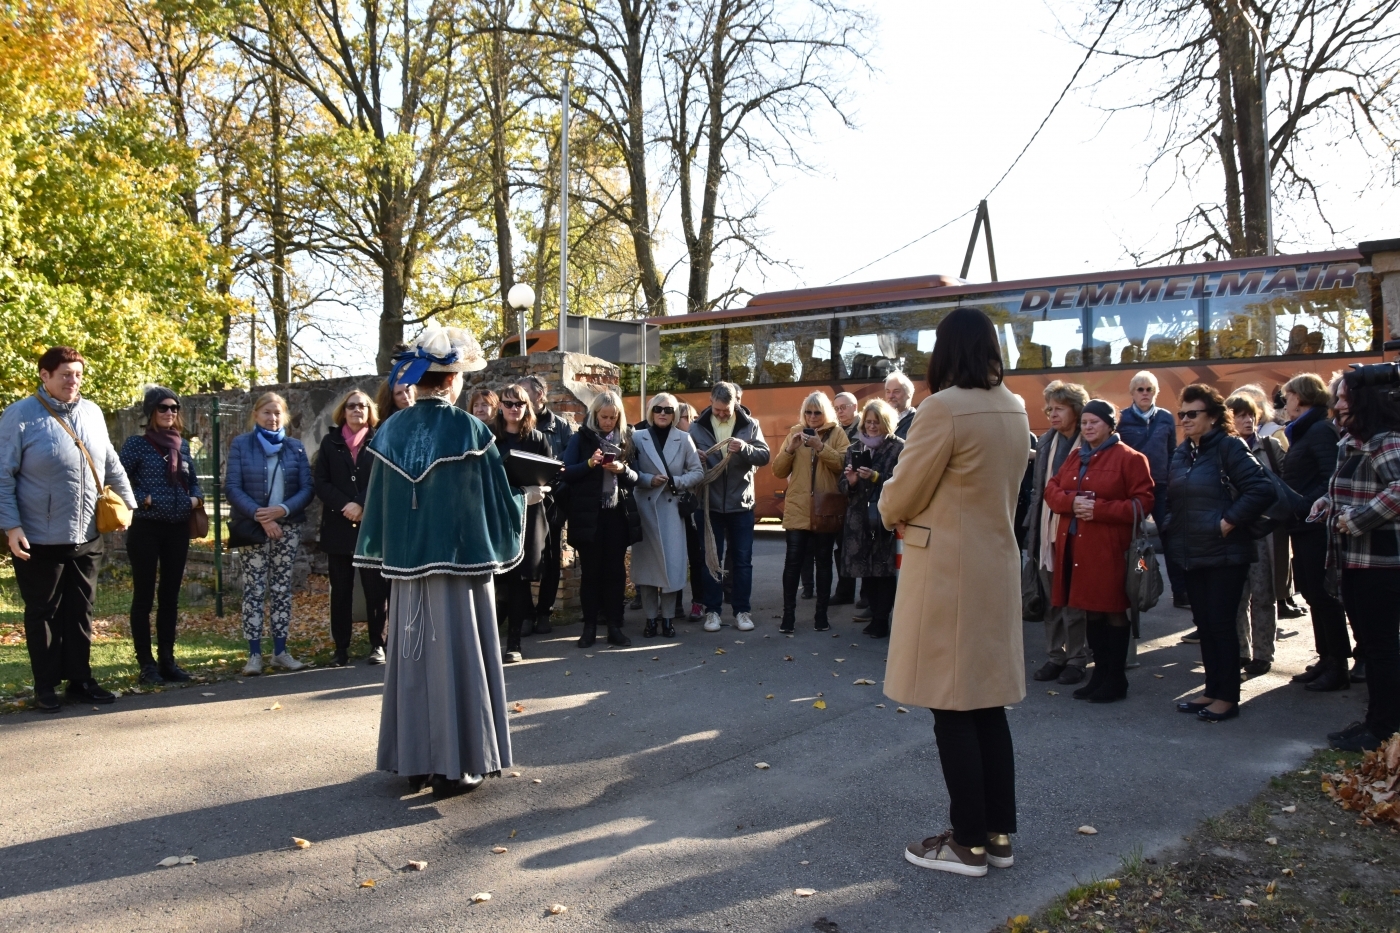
(444, 690)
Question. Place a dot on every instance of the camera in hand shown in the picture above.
(810, 432)
(1381, 376)
(863, 458)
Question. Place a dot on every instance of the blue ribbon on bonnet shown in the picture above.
(410, 365)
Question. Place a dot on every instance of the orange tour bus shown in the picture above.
(1229, 323)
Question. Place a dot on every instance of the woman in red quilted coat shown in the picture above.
(1093, 494)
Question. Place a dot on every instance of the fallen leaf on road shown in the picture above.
(1288, 872)
(512, 834)
(557, 909)
(879, 706)
(518, 708)
(1271, 841)
(415, 866)
(900, 709)
(1053, 693)
(188, 859)
(769, 697)
(863, 682)
(482, 897)
(805, 892)
(207, 694)
(737, 642)
(787, 657)
(275, 706)
(840, 660)
(657, 658)
(499, 850)
(762, 766)
(367, 883)
(588, 655)
(820, 704)
(834, 674)
(1088, 831)
(1246, 902)
(1291, 808)
(804, 862)
(1158, 676)
(169, 861)
(515, 774)
(1271, 887)
(719, 651)
(301, 843)
(536, 781)
(567, 673)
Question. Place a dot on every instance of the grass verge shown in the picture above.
(1257, 867)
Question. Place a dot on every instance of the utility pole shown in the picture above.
(564, 212)
(983, 218)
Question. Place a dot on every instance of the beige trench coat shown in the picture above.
(955, 639)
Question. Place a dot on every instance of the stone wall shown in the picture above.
(574, 380)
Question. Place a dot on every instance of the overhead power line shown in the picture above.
(1014, 162)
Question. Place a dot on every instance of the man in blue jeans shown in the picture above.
(731, 497)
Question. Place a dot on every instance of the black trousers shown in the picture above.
(1310, 576)
(879, 592)
(1215, 601)
(156, 549)
(342, 573)
(695, 554)
(603, 585)
(549, 568)
(1373, 603)
(802, 548)
(979, 768)
(57, 585)
(513, 590)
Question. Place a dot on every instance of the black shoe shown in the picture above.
(1257, 668)
(341, 659)
(589, 636)
(46, 702)
(527, 627)
(1363, 741)
(1049, 671)
(1071, 675)
(1348, 732)
(150, 674)
(512, 653)
(808, 594)
(1333, 677)
(1109, 693)
(90, 692)
(417, 782)
(1287, 610)
(1186, 706)
(1192, 637)
(668, 630)
(1310, 673)
(789, 623)
(1358, 672)
(1092, 687)
(1181, 602)
(841, 601)
(649, 630)
(1205, 715)
(542, 626)
(615, 637)
(822, 625)
(175, 673)
(862, 603)
(443, 788)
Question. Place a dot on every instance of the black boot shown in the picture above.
(615, 636)
(1334, 676)
(668, 630)
(527, 627)
(542, 626)
(1115, 653)
(789, 623)
(649, 630)
(172, 672)
(589, 636)
(512, 653)
(1093, 637)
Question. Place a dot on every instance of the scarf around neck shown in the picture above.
(610, 497)
(354, 439)
(872, 443)
(271, 440)
(168, 443)
(1086, 453)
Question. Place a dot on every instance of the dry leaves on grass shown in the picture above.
(1371, 788)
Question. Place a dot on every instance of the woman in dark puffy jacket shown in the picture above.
(1308, 465)
(602, 522)
(341, 474)
(1216, 489)
(867, 549)
(166, 489)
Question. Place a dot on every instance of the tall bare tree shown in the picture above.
(1331, 71)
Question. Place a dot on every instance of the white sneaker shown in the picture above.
(286, 661)
(712, 621)
(743, 623)
(376, 656)
(254, 666)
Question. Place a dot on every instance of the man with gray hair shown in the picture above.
(899, 392)
(558, 430)
(847, 408)
(731, 502)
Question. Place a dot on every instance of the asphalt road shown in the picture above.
(649, 812)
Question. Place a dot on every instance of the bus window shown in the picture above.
(690, 361)
(792, 351)
(1036, 339)
(871, 346)
(1336, 320)
(1150, 332)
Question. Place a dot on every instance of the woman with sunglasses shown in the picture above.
(514, 427)
(810, 459)
(1215, 490)
(667, 464)
(341, 475)
(166, 489)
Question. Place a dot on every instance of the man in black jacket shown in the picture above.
(558, 429)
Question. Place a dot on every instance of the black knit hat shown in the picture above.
(154, 396)
(1104, 411)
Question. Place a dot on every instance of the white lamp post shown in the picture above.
(521, 297)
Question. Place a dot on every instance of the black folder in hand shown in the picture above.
(526, 469)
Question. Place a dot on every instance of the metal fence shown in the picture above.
(211, 424)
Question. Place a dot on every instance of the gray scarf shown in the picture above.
(610, 498)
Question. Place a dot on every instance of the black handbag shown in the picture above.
(1285, 512)
(1143, 581)
(1033, 601)
(248, 532)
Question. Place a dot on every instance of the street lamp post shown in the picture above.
(521, 297)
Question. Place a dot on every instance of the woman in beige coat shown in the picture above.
(810, 459)
(955, 644)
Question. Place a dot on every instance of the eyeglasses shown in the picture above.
(817, 413)
(662, 410)
(1191, 414)
(356, 406)
(511, 403)
(172, 408)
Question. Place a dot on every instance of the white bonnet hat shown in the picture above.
(437, 350)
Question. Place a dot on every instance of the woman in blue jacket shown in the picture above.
(269, 481)
(166, 488)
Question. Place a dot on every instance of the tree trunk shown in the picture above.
(1225, 141)
(636, 18)
(1238, 51)
(281, 315)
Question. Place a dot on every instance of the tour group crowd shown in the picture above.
(999, 527)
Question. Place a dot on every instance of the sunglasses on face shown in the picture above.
(172, 408)
(356, 406)
(512, 403)
(813, 414)
(1191, 414)
(662, 410)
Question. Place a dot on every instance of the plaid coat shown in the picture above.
(1366, 488)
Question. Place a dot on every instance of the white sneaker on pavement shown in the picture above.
(286, 661)
(712, 621)
(254, 666)
(742, 622)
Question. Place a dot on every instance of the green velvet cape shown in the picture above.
(438, 499)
